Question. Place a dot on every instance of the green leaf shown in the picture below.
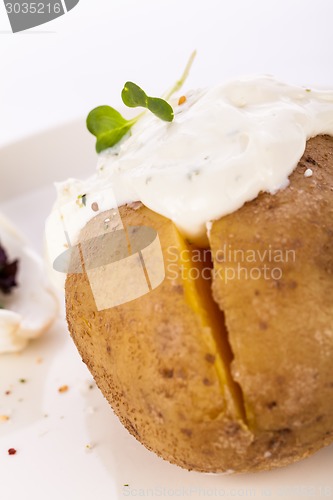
(160, 108)
(108, 126)
(133, 96)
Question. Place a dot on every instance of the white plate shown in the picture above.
(50, 430)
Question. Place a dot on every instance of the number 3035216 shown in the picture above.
(33, 8)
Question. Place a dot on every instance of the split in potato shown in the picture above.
(232, 373)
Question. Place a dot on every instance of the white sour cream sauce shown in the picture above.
(225, 145)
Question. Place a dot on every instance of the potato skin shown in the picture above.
(150, 359)
(281, 330)
(152, 362)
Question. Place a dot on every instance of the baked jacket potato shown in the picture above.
(233, 372)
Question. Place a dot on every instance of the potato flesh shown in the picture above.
(162, 360)
(197, 289)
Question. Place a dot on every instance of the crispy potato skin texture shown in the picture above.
(151, 360)
(281, 330)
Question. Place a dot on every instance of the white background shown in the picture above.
(62, 69)
(52, 75)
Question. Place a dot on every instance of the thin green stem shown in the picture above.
(179, 83)
(136, 118)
